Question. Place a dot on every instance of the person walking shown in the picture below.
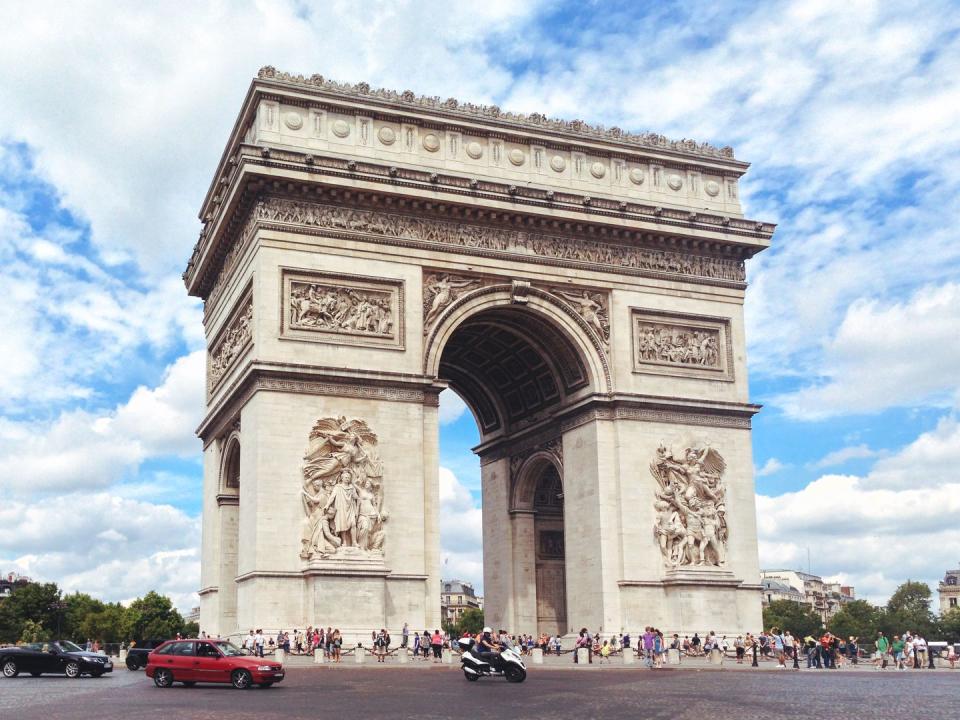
(436, 644)
(405, 636)
(880, 657)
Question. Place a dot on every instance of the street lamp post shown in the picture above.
(59, 606)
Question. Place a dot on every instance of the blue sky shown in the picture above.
(116, 116)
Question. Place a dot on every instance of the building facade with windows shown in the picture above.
(456, 597)
(949, 589)
(825, 598)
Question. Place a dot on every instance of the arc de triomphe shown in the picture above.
(581, 288)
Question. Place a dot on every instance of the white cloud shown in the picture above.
(770, 467)
(895, 523)
(461, 532)
(452, 407)
(85, 450)
(845, 454)
(111, 547)
(888, 354)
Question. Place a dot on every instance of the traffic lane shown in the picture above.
(25, 692)
(547, 693)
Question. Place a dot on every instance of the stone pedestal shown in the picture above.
(716, 657)
(583, 656)
(536, 656)
(673, 657)
(359, 655)
(318, 657)
(122, 658)
(628, 657)
(447, 656)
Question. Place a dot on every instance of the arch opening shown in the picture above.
(515, 367)
(229, 501)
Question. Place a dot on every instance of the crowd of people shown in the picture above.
(828, 651)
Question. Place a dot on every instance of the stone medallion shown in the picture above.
(675, 182)
(558, 163)
(431, 142)
(516, 157)
(340, 128)
(386, 135)
(474, 150)
(636, 176)
(598, 170)
(293, 120)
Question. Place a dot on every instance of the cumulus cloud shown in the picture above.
(843, 455)
(452, 407)
(461, 532)
(85, 450)
(877, 530)
(888, 354)
(111, 547)
(770, 467)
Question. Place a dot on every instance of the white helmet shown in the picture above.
(487, 630)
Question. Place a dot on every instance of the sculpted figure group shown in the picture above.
(691, 526)
(677, 345)
(342, 491)
(235, 339)
(339, 309)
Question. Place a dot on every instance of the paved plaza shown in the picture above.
(554, 692)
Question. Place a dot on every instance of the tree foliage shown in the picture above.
(950, 625)
(858, 619)
(31, 614)
(798, 618)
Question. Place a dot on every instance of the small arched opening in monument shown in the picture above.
(501, 493)
(228, 498)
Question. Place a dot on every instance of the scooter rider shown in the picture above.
(487, 648)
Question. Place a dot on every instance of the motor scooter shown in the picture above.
(507, 664)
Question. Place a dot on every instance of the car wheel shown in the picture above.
(241, 679)
(10, 669)
(515, 674)
(132, 664)
(72, 670)
(265, 685)
(471, 676)
(189, 683)
(162, 678)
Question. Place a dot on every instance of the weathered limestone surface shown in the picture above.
(582, 289)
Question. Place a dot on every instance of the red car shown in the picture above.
(213, 661)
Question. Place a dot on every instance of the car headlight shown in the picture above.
(91, 659)
(264, 668)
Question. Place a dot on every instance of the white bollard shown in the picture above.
(359, 655)
(123, 656)
(628, 657)
(447, 656)
(536, 656)
(583, 656)
(279, 655)
(318, 657)
(673, 656)
(716, 657)
(403, 656)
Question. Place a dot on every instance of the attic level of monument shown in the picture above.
(621, 186)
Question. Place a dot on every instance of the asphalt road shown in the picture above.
(548, 694)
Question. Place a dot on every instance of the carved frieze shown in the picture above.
(691, 525)
(532, 246)
(342, 493)
(550, 544)
(232, 342)
(683, 345)
(343, 309)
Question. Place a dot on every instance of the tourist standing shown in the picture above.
(405, 636)
(337, 643)
(739, 648)
(647, 640)
(436, 644)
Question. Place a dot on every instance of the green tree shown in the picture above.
(32, 632)
(34, 602)
(950, 625)
(153, 616)
(858, 618)
(909, 610)
(79, 607)
(796, 617)
(191, 629)
(471, 621)
(111, 624)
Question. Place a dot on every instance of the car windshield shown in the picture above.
(68, 646)
(228, 648)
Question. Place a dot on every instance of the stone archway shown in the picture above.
(228, 502)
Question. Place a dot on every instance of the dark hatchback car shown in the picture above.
(61, 657)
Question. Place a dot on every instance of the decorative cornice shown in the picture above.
(492, 113)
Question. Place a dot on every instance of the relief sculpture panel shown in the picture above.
(691, 524)
(682, 345)
(342, 492)
(231, 343)
(342, 309)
